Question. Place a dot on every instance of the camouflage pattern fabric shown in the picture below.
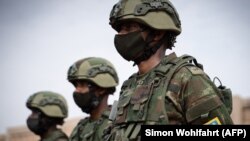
(57, 135)
(189, 97)
(89, 130)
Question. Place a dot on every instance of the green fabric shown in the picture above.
(168, 95)
(89, 130)
(57, 135)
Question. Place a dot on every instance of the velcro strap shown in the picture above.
(136, 131)
(129, 129)
(203, 107)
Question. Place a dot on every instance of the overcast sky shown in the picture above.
(40, 39)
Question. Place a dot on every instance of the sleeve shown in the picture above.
(201, 101)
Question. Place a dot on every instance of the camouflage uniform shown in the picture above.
(189, 98)
(102, 73)
(176, 91)
(89, 130)
(56, 135)
(53, 107)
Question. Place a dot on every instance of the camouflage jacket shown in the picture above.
(89, 130)
(57, 135)
(155, 98)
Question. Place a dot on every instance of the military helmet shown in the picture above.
(96, 70)
(50, 103)
(157, 14)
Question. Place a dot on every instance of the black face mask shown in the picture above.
(86, 101)
(36, 125)
(131, 45)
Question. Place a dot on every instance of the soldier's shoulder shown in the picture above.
(186, 73)
(82, 122)
(195, 70)
(79, 125)
(127, 82)
(191, 70)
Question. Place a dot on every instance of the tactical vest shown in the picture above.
(54, 136)
(147, 99)
(87, 130)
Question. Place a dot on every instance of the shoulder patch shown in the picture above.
(195, 70)
(214, 121)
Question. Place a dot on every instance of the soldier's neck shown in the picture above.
(48, 132)
(153, 61)
(97, 112)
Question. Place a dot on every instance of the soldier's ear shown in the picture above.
(101, 91)
(158, 35)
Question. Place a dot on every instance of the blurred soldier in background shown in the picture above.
(166, 89)
(48, 110)
(94, 79)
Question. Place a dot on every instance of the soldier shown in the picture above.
(166, 89)
(94, 79)
(48, 110)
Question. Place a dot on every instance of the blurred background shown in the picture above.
(40, 39)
